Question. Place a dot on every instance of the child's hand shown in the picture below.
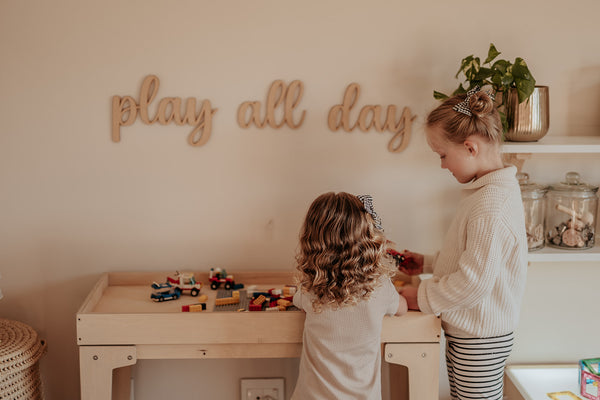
(412, 264)
(410, 294)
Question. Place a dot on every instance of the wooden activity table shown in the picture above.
(119, 324)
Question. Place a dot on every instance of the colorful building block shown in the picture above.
(259, 300)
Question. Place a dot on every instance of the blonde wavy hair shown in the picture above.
(341, 251)
(484, 122)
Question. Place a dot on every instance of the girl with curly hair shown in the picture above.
(345, 290)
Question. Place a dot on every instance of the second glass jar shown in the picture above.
(571, 215)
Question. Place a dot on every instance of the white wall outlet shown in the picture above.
(262, 389)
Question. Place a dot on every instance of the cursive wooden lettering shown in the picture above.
(249, 112)
(370, 116)
(402, 130)
(125, 111)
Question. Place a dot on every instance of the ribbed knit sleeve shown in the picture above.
(488, 240)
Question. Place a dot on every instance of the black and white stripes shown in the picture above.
(476, 366)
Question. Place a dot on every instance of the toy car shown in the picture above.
(217, 276)
(159, 286)
(170, 293)
(185, 281)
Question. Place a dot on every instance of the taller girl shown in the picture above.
(479, 273)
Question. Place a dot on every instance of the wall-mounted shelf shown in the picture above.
(556, 144)
(551, 254)
(518, 152)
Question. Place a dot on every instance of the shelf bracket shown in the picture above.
(516, 159)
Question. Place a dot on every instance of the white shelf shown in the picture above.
(556, 144)
(559, 145)
(551, 254)
(534, 382)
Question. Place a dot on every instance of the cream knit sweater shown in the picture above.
(479, 273)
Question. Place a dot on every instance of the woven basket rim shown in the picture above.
(20, 346)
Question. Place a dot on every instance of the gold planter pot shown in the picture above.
(530, 120)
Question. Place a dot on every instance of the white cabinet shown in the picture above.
(557, 145)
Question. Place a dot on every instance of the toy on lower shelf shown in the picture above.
(589, 378)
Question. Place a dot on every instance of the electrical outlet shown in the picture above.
(262, 389)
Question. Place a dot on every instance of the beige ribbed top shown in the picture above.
(479, 273)
(341, 356)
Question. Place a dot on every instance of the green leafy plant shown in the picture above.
(501, 75)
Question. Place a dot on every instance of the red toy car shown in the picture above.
(218, 276)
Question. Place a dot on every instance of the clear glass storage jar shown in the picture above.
(571, 215)
(534, 205)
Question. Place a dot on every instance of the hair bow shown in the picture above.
(367, 201)
(463, 106)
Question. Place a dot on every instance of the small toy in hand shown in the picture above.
(403, 262)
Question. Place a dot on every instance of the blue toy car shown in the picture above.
(168, 294)
(158, 286)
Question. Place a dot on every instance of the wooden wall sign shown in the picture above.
(278, 95)
(279, 111)
(168, 110)
(370, 116)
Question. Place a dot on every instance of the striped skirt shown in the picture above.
(476, 366)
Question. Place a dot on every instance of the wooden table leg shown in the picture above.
(96, 364)
(422, 361)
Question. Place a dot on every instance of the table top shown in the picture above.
(118, 310)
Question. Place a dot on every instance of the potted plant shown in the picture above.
(513, 86)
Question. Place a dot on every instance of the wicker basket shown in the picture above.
(20, 350)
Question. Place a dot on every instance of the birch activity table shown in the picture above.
(119, 324)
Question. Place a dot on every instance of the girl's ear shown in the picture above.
(472, 147)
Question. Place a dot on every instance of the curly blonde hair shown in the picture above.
(341, 251)
(484, 122)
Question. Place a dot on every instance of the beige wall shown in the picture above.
(74, 204)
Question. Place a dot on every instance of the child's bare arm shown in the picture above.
(410, 295)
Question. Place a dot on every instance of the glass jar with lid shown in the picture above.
(571, 215)
(534, 205)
